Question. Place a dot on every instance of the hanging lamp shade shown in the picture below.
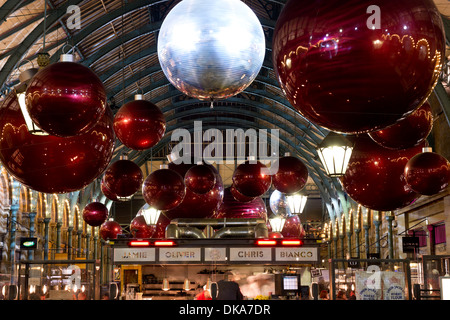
(166, 284)
(296, 202)
(186, 285)
(151, 215)
(334, 152)
(277, 223)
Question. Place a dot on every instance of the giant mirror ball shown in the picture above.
(163, 189)
(139, 124)
(211, 49)
(123, 178)
(408, 132)
(53, 164)
(95, 214)
(66, 99)
(278, 204)
(110, 230)
(428, 173)
(375, 175)
(350, 72)
(250, 180)
(291, 176)
(230, 208)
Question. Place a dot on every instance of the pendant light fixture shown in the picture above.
(296, 202)
(334, 152)
(277, 223)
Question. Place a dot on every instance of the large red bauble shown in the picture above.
(408, 132)
(249, 179)
(164, 189)
(123, 178)
(347, 76)
(427, 173)
(200, 179)
(140, 229)
(291, 176)
(239, 196)
(230, 208)
(66, 99)
(110, 229)
(375, 175)
(52, 164)
(196, 205)
(293, 227)
(106, 192)
(95, 213)
(139, 124)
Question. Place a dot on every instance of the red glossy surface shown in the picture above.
(200, 179)
(95, 213)
(428, 173)
(375, 175)
(239, 196)
(291, 176)
(250, 181)
(52, 164)
(107, 193)
(198, 205)
(164, 189)
(159, 231)
(348, 77)
(110, 229)
(230, 208)
(408, 132)
(293, 227)
(140, 229)
(275, 235)
(139, 124)
(66, 99)
(123, 178)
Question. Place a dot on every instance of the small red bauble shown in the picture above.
(110, 230)
(230, 208)
(123, 178)
(200, 179)
(95, 213)
(52, 164)
(140, 229)
(408, 132)
(66, 99)
(164, 189)
(344, 72)
(293, 227)
(375, 175)
(239, 196)
(427, 173)
(291, 176)
(275, 235)
(139, 124)
(250, 179)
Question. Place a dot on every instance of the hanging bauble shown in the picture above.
(158, 230)
(106, 192)
(211, 49)
(278, 204)
(355, 67)
(110, 230)
(164, 189)
(275, 235)
(140, 229)
(291, 176)
(123, 178)
(293, 227)
(196, 205)
(239, 196)
(428, 173)
(139, 124)
(200, 179)
(375, 175)
(95, 213)
(250, 179)
(230, 208)
(408, 132)
(52, 164)
(66, 98)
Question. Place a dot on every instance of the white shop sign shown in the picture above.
(250, 254)
(134, 255)
(296, 254)
(180, 254)
(215, 254)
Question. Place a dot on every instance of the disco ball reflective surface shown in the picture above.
(279, 204)
(211, 49)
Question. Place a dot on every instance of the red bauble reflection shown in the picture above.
(230, 208)
(291, 176)
(66, 99)
(275, 235)
(427, 173)
(293, 228)
(250, 180)
(349, 78)
(200, 179)
(139, 124)
(375, 175)
(52, 164)
(95, 213)
(408, 132)
(163, 189)
(239, 196)
(110, 230)
(198, 205)
(140, 229)
(107, 192)
(123, 178)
